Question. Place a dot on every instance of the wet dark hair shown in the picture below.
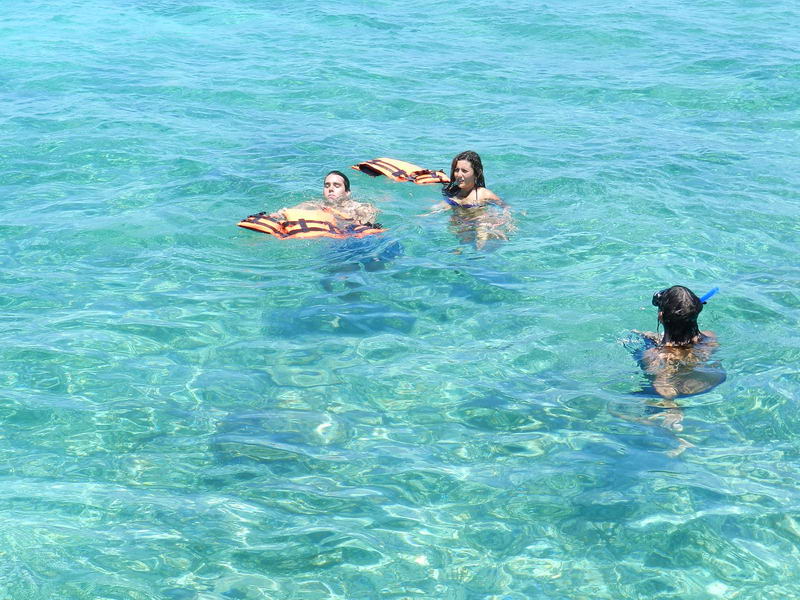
(343, 176)
(476, 163)
(679, 308)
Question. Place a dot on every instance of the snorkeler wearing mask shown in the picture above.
(678, 362)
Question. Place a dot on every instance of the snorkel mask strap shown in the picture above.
(657, 298)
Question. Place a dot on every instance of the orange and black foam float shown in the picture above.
(400, 170)
(301, 224)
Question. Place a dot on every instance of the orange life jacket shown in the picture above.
(399, 170)
(307, 224)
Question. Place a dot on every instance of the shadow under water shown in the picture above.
(343, 307)
(687, 378)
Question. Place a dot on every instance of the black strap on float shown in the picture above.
(395, 171)
(264, 222)
(304, 227)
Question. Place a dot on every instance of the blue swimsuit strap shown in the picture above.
(453, 203)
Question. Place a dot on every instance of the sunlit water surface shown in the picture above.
(194, 411)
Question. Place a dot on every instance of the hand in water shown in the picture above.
(671, 418)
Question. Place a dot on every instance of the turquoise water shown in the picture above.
(195, 411)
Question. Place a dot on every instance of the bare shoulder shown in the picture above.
(487, 196)
(709, 337)
(707, 345)
(649, 335)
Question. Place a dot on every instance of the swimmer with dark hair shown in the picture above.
(336, 199)
(468, 198)
(678, 362)
(467, 188)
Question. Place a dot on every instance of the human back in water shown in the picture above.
(675, 362)
(678, 363)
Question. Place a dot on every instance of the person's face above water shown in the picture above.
(333, 189)
(464, 175)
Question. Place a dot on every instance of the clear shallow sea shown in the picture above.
(194, 411)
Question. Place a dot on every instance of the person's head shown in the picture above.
(678, 308)
(467, 170)
(336, 186)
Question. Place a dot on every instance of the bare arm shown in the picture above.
(279, 215)
(367, 214)
(489, 197)
(437, 208)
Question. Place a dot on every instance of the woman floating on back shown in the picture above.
(678, 362)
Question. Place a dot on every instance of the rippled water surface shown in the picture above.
(192, 410)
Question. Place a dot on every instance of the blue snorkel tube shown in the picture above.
(707, 296)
